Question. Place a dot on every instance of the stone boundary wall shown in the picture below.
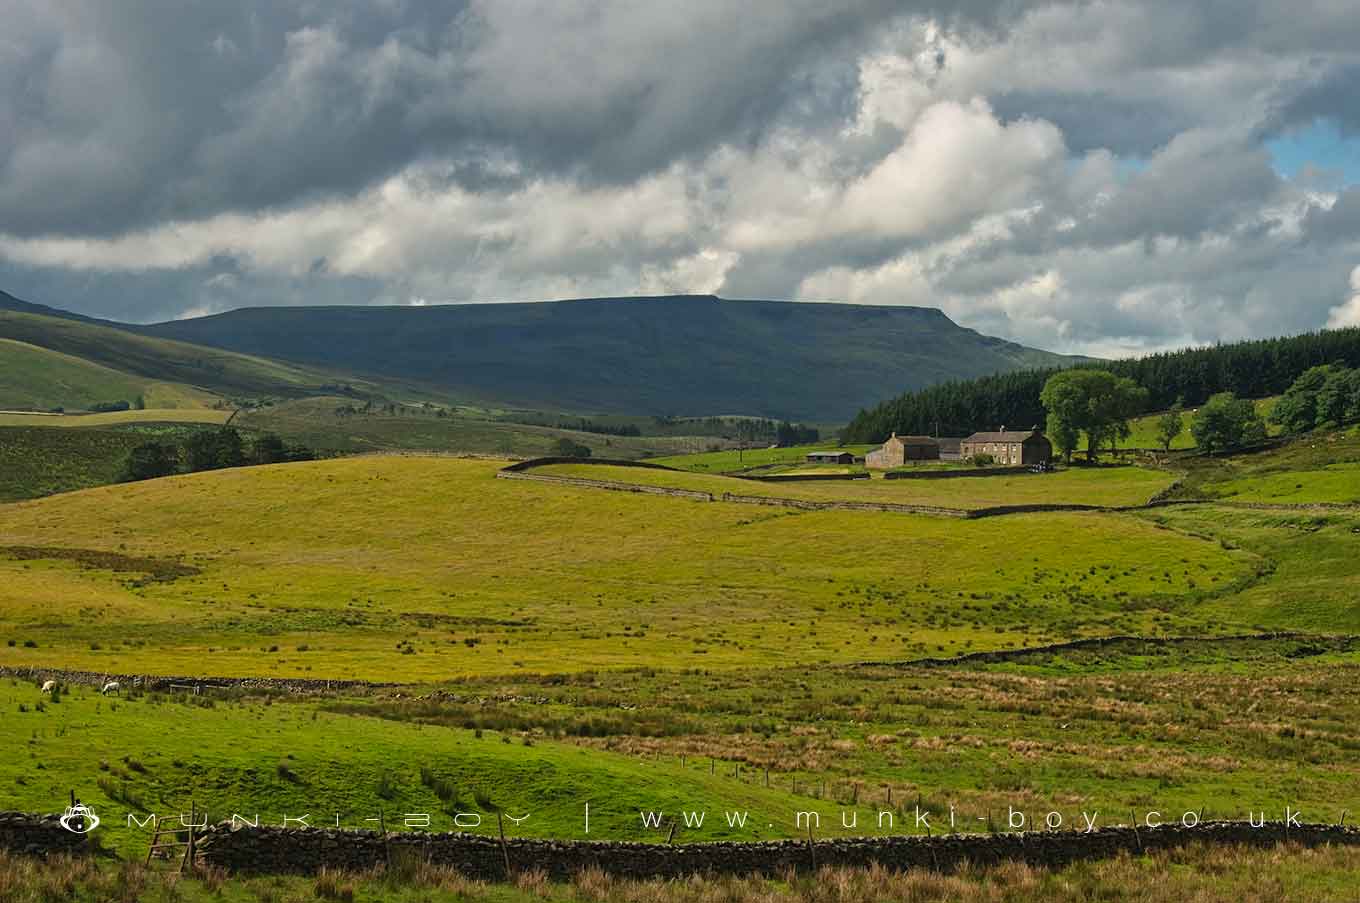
(299, 850)
(37, 835)
(518, 472)
(798, 477)
(997, 656)
(520, 466)
(949, 474)
(810, 505)
(163, 683)
(614, 485)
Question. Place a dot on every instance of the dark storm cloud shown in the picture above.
(157, 295)
(1339, 223)
(122, 115)
(1080, 175)
(1332, 95)
(1135, 126)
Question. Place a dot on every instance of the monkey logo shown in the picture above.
(79, 819)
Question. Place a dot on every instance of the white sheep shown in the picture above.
(49, 686)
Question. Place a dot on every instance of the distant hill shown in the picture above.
(55, 358)
(680, 354)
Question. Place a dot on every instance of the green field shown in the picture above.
(1145, 428)
(37, 378)
(1318, 467)
(733, 460)
(1113, 486)
(161, 360)
(1132, 728)
(364, 559)
(649, 652)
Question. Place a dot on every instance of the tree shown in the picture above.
(1094, 402)
(1170, 425)
(214, 449)
(568, 448)
(1065, 402)
(150, 460)
(1226, 422)
(268, 449)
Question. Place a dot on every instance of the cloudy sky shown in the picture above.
(1102, 177)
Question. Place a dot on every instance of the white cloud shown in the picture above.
(1347, 314)
(1080, 176)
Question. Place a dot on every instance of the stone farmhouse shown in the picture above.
(1009, 447)
(898, 450)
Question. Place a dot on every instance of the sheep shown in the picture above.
(49, 686)
(110, 687)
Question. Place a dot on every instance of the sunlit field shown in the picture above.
(405, 568)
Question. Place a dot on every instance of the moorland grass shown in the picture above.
(425, 568)
(321, 424)
(118, 418)
(39, 461)
(1204, 874)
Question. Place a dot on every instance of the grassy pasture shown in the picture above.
(424, 568)
(1318, 467)
(734, 460)
(155, 754)
(1145, 428)
(1225, 729)
(33, 377)
(1078, 485)
(1314, 582)
(160, 360)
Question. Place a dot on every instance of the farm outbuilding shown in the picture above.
(898, 450)
(830, 457)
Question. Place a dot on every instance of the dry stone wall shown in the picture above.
(37, 835)
(158, 683)
(297, 850)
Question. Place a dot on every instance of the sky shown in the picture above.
(1104, 177)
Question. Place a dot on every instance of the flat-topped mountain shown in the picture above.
(682, 354)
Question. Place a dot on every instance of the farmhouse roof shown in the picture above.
(914, 440)
(1002, 436)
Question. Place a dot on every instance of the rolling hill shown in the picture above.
(157, 359)
(657, 355)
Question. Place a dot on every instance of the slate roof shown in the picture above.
(1002, 436)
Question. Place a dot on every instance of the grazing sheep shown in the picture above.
(49, 686)
(110, 687)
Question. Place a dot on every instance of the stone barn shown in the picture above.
(1015, 447)
(950, 448)
(899, 450)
